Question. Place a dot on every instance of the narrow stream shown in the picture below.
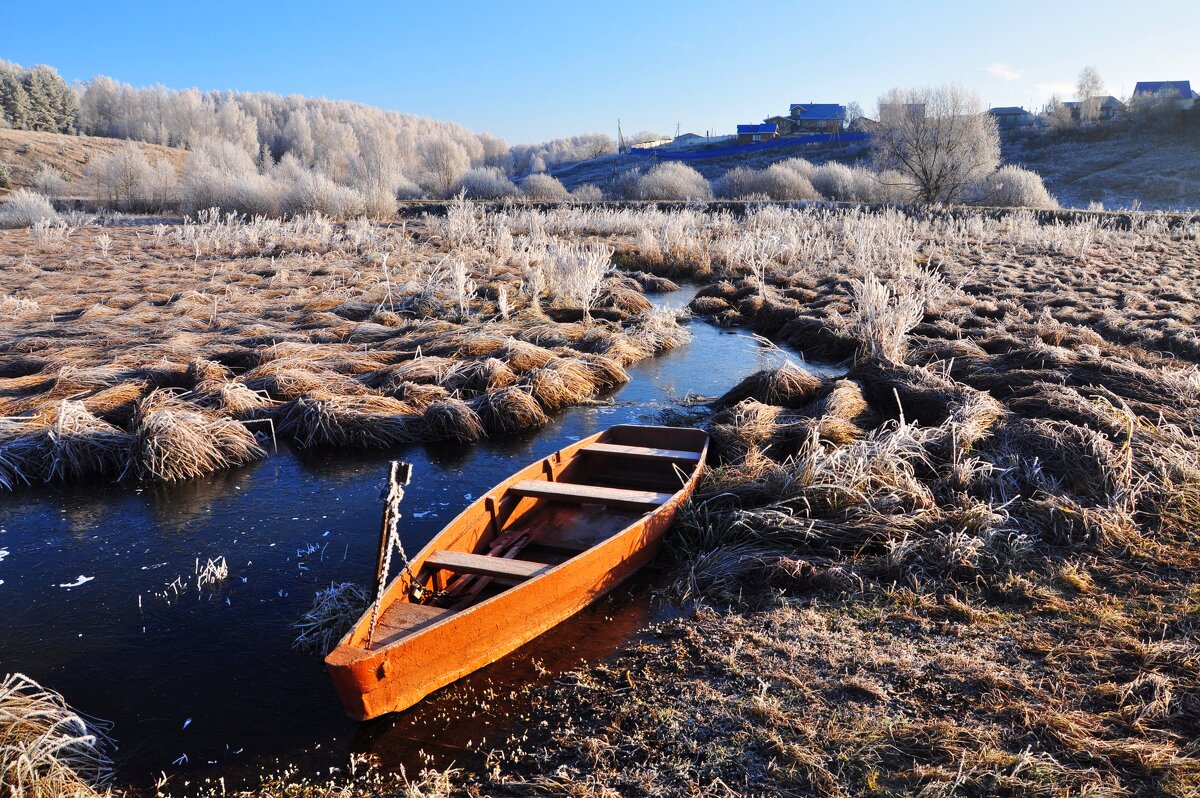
(98, 595)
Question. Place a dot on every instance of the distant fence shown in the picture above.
(705, 153)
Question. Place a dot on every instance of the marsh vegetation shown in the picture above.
(963, 566)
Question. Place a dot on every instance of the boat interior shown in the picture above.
(572, 502)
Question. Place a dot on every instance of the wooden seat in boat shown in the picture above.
(590, 494)
(484, 565)
(402, 618)
(642, 452)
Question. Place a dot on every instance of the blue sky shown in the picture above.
(533, 71)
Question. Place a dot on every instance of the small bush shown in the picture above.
(588, 192)
(673, 181)
(48, 181)
(486, 182)
(24, 208)
(1012, 187)
(544, 187)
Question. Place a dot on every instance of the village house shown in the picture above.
(1109, 108)
(1011, 117)
(1166, 90)
(751, 133)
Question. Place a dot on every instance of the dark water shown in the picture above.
(209, 674)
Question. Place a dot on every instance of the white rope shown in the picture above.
(395, 495)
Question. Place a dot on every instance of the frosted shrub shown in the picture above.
(588, 192)
(486, 183)
(543, 187)
(49, 182)
(673, 181)
(378, 202)
(780, 182)
(737, 183)
(303, 190)
(575, 272)
(1014, 187)
(24, 208)
(834, 181)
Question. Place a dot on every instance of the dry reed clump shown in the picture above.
(418, 395)
(47, 750)
(845, 400)
(509, 410)
(561, 382)
(79, 443)
(523, 356)
(285, 382)
(479, 376)
(606, 372)
(235, 399)
(429, 369)
(787, 386)
(451, 420)
(334, 611)
(118, 403)
(748, 425)
(173, 440)
(364, 421)
(708, 305)
(22, 453)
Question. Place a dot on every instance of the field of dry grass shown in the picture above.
(169, 352)
(966, 567)
(23, 151)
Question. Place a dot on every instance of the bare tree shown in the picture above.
(1090, 87)
(941, 139)
(1058, 115)
(853, 111)
(444, 162)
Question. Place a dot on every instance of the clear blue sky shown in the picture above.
(533, 71)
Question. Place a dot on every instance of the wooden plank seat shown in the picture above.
(402, 618)
(500, 568)
(643, 452)
(590, 494)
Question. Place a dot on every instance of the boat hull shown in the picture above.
(396, 676)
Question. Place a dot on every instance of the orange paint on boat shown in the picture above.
(566, 530)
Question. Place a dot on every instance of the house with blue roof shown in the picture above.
(750, 133)
(810, 118)
(1180, 90)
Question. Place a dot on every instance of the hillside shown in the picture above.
(1114, 165)
(600, 170)
(22, 151)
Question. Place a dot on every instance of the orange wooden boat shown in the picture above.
(530, 553)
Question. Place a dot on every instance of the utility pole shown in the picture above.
(620, 138)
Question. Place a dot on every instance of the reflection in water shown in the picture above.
(210, 674)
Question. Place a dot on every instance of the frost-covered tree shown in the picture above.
(1090, 87)
(940, 138)
(36, 99)
(1058, 115)
(443, 162)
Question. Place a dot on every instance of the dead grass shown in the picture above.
(295, 323)
(47, 750)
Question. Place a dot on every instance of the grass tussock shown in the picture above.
(561, 382)
(360, 421)
(787, 386)
(47, 750)
(451, 420)
(334, 611)
(509, 410)
(173, 440)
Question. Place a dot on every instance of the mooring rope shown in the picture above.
(392, 542)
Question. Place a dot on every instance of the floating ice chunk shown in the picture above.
(80, 580)
(187, 723)
(3, 554)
